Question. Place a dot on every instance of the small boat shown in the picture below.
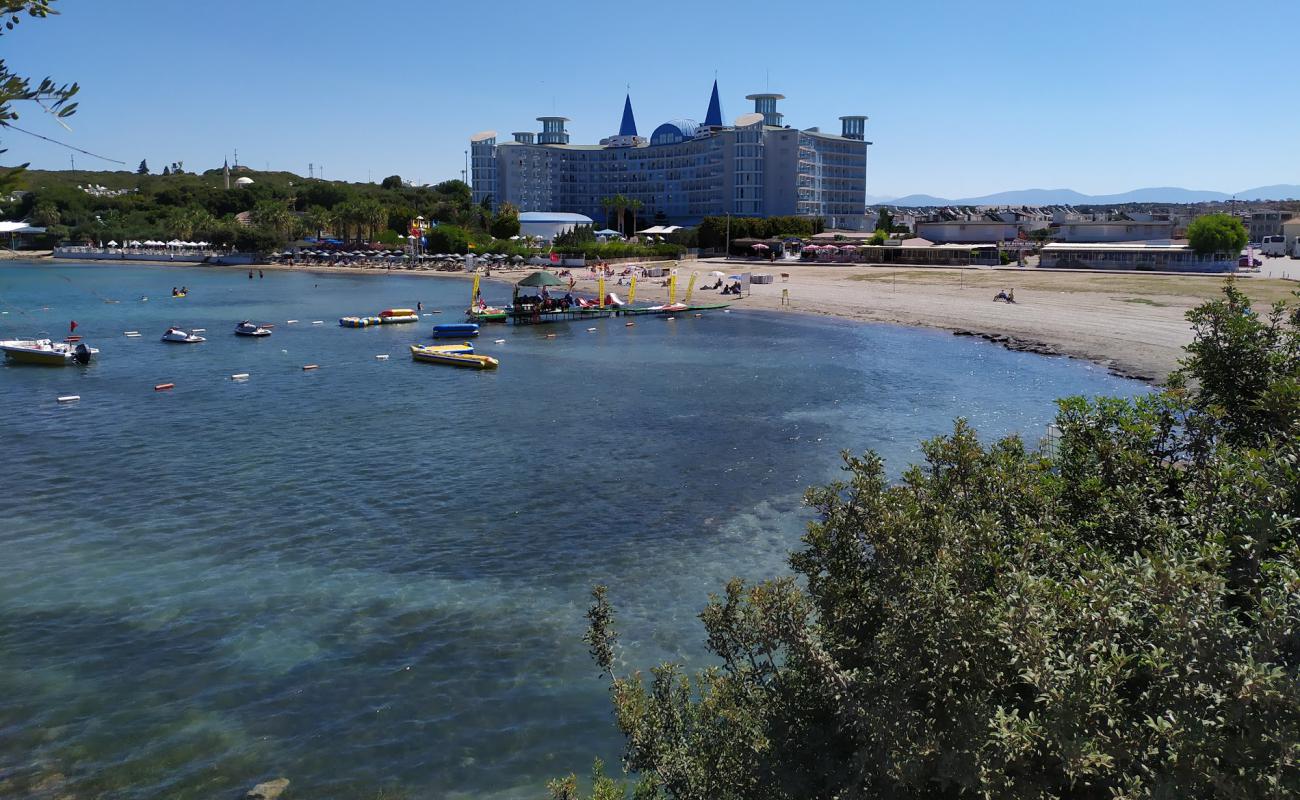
(390, 316)
(454, 356)
(459, 330)
(359, 322)
(44, 351)
(181, 337)
(247, 328)
(486, 314)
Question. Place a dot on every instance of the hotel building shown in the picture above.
(755, 167)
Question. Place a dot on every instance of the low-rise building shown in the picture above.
(978, 231)
(1147, 256)
(1291, 230)
(1127, 230)
(1267, 223)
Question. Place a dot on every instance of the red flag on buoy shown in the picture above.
(72, 326)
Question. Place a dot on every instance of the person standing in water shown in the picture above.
(250, 274)
(259, 274)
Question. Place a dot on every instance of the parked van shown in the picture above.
(1273, 246)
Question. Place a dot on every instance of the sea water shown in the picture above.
(372, 575)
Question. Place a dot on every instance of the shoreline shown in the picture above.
(1132, 324)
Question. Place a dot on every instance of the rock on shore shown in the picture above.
(268, 790)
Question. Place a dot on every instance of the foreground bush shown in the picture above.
(1116, 620)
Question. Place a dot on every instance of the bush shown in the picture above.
(1120, 619)
(448, 239)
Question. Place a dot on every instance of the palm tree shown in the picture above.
(620, 205)
(318, 220)
(634, 206)
(272, 214)
(376, 217)
(607, 203)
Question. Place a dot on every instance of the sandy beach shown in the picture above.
(1132, 323)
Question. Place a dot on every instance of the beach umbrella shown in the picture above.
(541, 278)
(516, 259)
(112, 243)
(717, 274)
(759, 246)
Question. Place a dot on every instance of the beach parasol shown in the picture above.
(717, 274)
(541, 278)
(112, 243)
(759, 246)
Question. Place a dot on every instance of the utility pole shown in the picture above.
(727, 254)
(311, 172)
(464, 174)
(73, 158)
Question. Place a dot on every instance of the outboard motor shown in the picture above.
(81, 354)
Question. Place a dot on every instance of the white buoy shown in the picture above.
(290, 321)
(131, 333)
(670, 319)
(318, 322)
(239, 376)
(69, 398)
(591, 330)
(382, 356)
(498, 341)
(133, 336)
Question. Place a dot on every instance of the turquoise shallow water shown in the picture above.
(374, 574)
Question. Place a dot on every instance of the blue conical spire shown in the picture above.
(628, 127)
(714, 116)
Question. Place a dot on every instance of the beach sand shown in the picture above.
(1133, 323)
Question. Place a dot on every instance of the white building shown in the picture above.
(975, 231)
(549, 224)
(1115, 231)
(1144, 256)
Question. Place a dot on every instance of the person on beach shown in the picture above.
(1011, 295)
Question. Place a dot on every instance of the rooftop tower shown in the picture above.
(553, 131)
(765, 104)
(853, 128)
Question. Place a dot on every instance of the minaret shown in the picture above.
(225, 171)
(713, 117)
(628, 126)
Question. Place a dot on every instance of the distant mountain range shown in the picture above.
(1052, 197)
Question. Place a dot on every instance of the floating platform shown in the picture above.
(529, 317)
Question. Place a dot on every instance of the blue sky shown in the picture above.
(965, 98)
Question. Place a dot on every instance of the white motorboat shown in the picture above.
(181, 337)
(247, 328)
(45, 351)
